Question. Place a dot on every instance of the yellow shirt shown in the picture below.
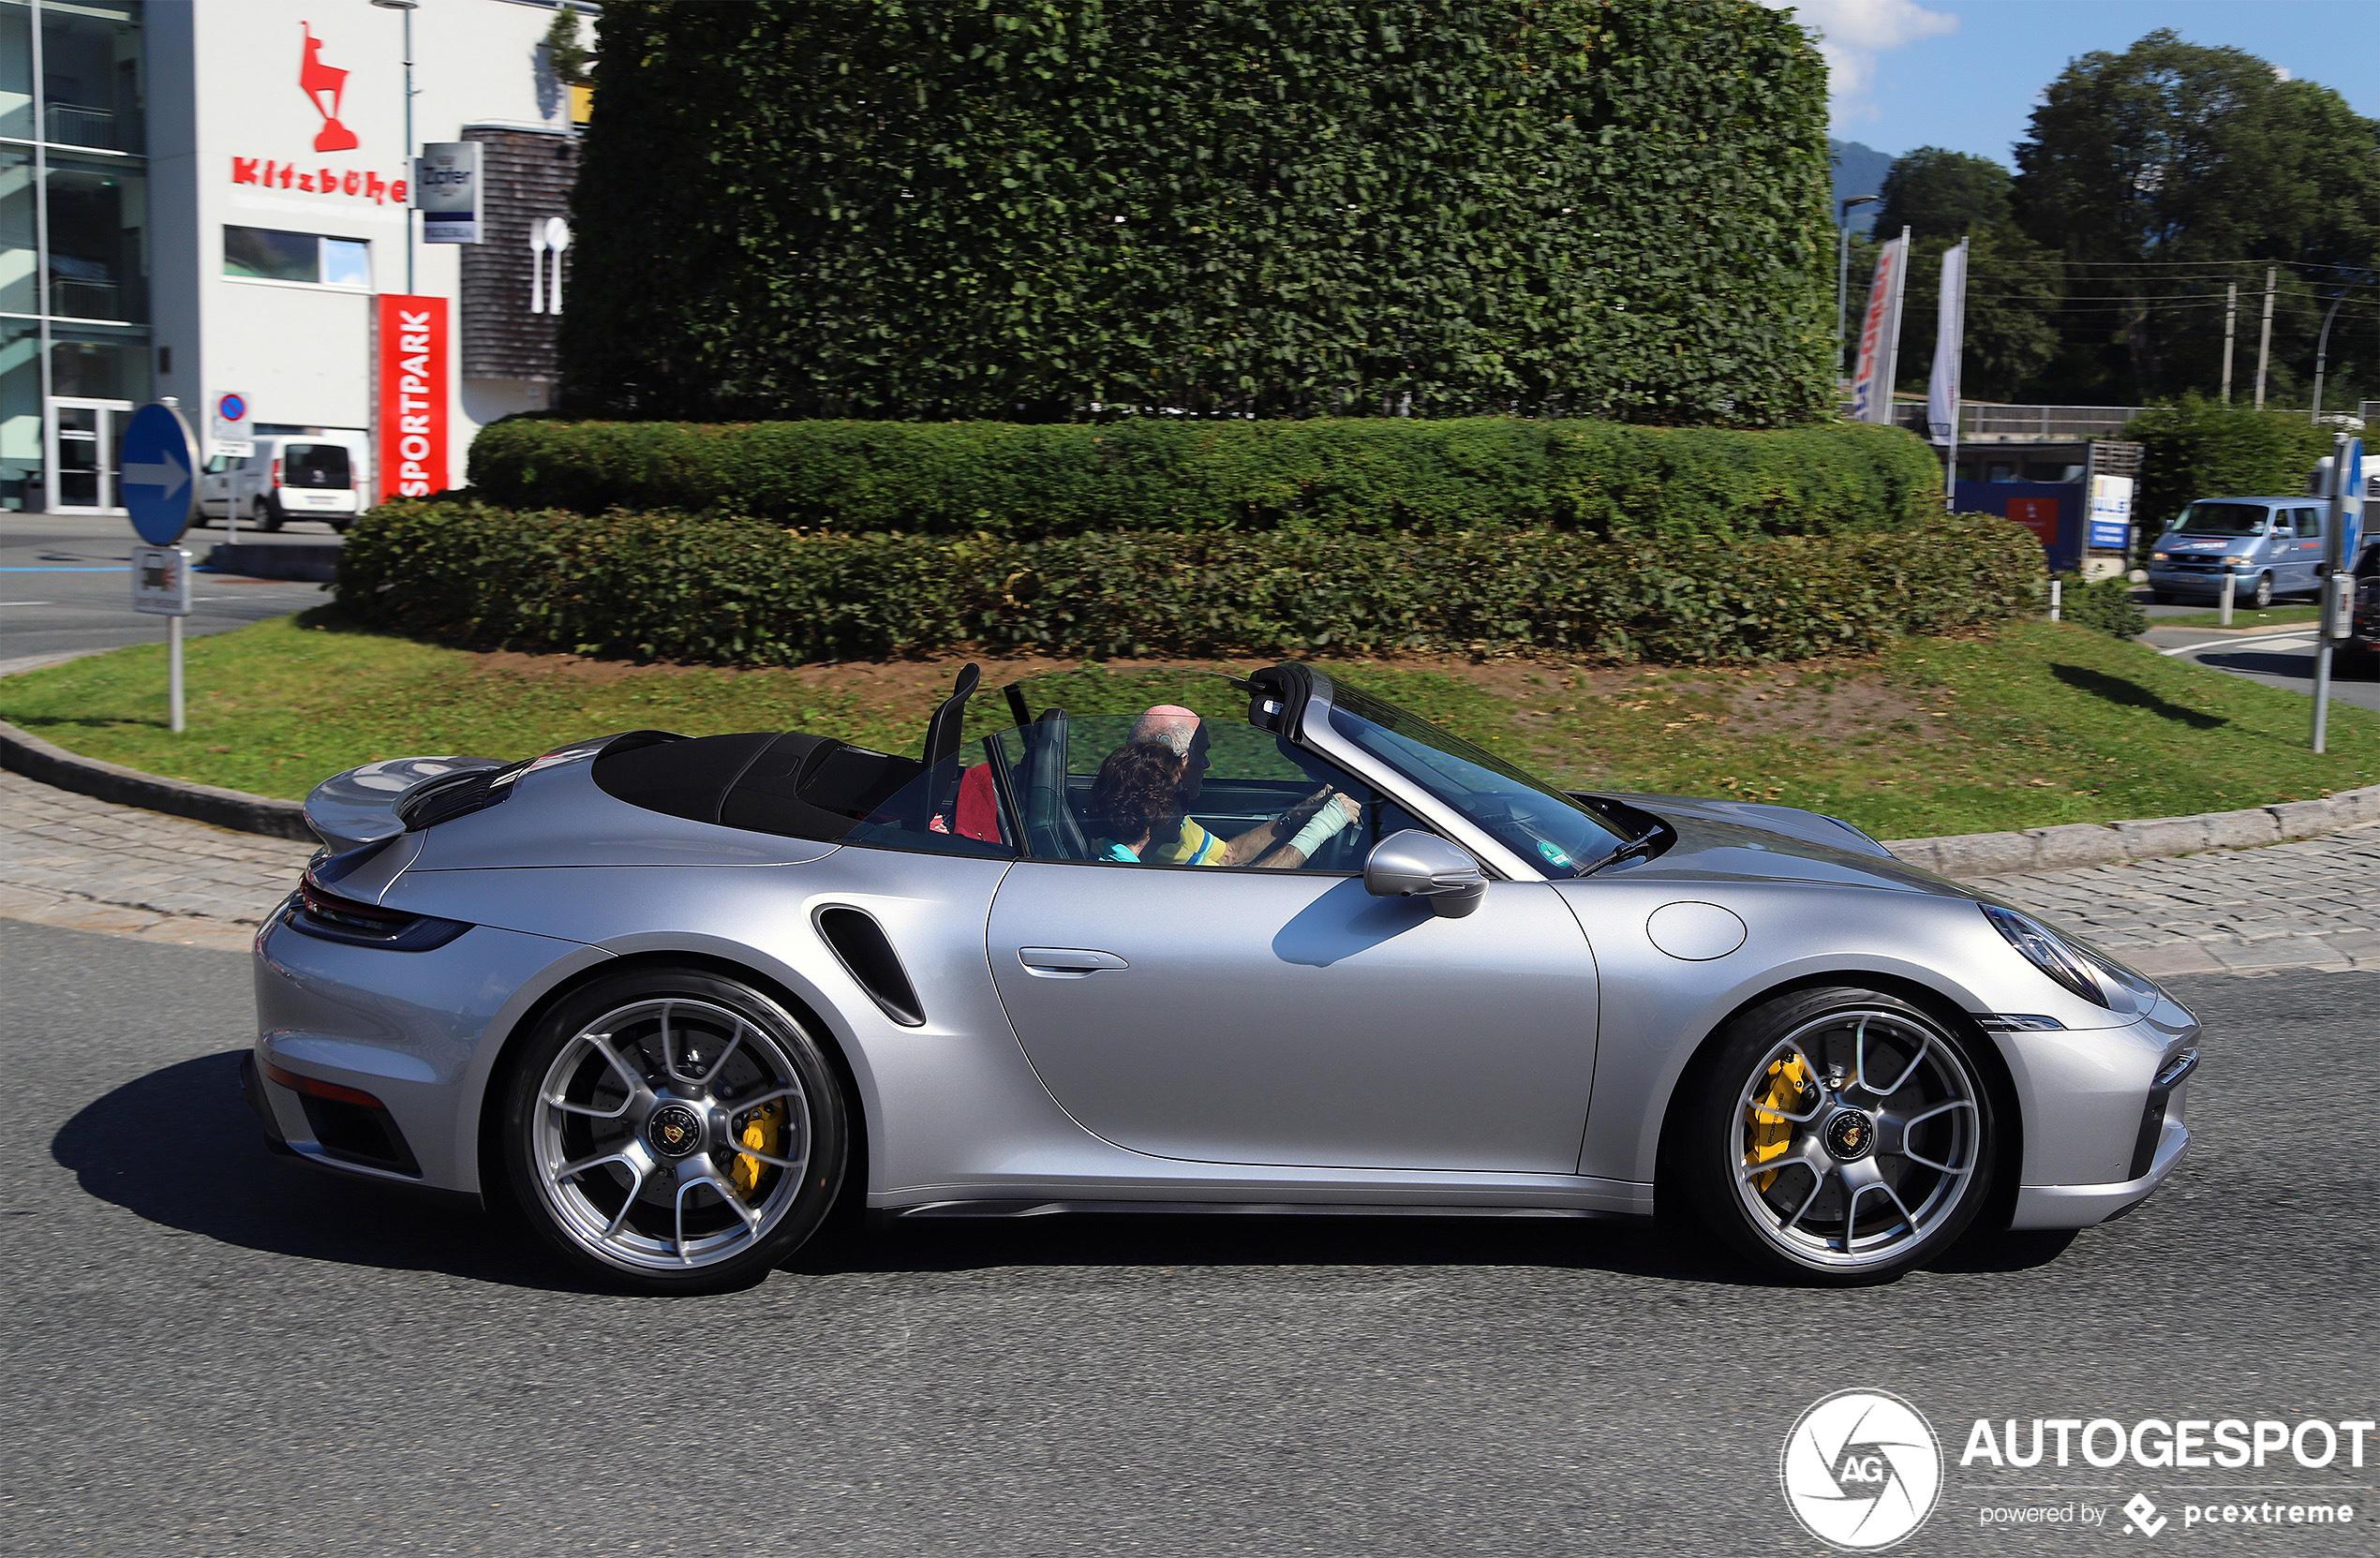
(1193, 846)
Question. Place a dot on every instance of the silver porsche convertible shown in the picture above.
(1190, 942)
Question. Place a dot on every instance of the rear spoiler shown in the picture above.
(360, 806)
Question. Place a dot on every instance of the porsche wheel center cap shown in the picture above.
(1849, 1135)
(675, 1130)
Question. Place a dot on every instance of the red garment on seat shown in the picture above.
(979, 805)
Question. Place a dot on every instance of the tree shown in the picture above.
(2012, 283)
(1020, 210)
(2152, 172)
(1940, 194)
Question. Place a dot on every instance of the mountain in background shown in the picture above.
(1859, 171)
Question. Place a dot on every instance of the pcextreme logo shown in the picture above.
(1861, 1470)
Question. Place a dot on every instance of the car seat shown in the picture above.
(1052, 830)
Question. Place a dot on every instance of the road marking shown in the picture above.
(118, 568)
(2262, 641)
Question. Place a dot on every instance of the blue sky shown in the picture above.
(1965, 74)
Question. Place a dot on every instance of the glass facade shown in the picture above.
(74, 247)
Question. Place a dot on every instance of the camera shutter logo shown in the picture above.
(1861, 1470)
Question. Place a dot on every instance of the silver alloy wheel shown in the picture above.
(670, 1135)
(1859, 1135)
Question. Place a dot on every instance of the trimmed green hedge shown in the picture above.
(2200, 447)
(825, 208)
(1027, 482)
(739, 591)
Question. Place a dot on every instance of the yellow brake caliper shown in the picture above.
(1771, 1131)
(763, 1133)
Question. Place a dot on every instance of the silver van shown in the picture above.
(294, 476)
(2272, 545)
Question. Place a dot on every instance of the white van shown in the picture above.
(290, 476)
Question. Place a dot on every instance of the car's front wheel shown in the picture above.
(2261, 597)
(672, 1131)
(267, 515)
(1837, 1136)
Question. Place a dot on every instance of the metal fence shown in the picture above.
(1983, 421)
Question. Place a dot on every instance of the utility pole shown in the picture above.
(2264, 345)
(1843, 269)
(2230, 328)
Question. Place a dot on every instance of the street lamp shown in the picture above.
(2322, 348)
(408, 8)
(1842, 264)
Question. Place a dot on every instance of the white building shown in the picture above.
(203, 196)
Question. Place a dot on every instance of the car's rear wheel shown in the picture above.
(1838, 1135)
(672, 1131)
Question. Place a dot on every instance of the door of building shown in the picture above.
(82, 437)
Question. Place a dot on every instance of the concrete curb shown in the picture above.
(2053, 849)
(24, 752)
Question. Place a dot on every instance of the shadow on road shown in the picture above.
(2266, 664)
(180, 1147)
(2118, 689)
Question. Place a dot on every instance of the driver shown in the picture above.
(1288, 841)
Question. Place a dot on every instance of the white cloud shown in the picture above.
(1852, 33)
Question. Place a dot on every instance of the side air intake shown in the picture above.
(867, 954)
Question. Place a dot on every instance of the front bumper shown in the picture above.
(2085, 1206)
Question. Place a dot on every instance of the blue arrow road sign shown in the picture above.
(158, 469)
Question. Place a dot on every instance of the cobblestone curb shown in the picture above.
(24, 752)
(2052, 849)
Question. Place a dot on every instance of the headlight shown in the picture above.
(2236, 561)
(2046, 951)
(2161, 556)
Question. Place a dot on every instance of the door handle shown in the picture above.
(1066, 962)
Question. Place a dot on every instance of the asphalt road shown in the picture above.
(2282, 660)
(65, 586)
(209, 1350)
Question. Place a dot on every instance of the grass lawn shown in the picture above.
(2270, 616)
(2039, 723)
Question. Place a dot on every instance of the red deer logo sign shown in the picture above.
(324, 86)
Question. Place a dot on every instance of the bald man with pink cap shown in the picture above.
(1304, 828)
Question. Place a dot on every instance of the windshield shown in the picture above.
(2223, 519)
(1525, 815)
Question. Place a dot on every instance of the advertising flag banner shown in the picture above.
(2110, 512)
(1950, 342)
(1880, 335)
(446, 189)
(414, 352)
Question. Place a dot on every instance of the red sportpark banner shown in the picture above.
(411, 449)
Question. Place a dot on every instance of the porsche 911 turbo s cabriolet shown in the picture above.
(1272, 944)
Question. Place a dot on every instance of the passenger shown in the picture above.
(1286, 842)
(1133, 799)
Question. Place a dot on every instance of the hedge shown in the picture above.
(733, 592)
(2200, 447)
(1026, 482)
(827, 208)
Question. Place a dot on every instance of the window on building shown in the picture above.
(268, 255)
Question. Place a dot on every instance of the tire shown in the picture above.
(598, 1167)
(2261, 597)
(1932, 1144)
(268, 516)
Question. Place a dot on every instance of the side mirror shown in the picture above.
(1413, 864)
